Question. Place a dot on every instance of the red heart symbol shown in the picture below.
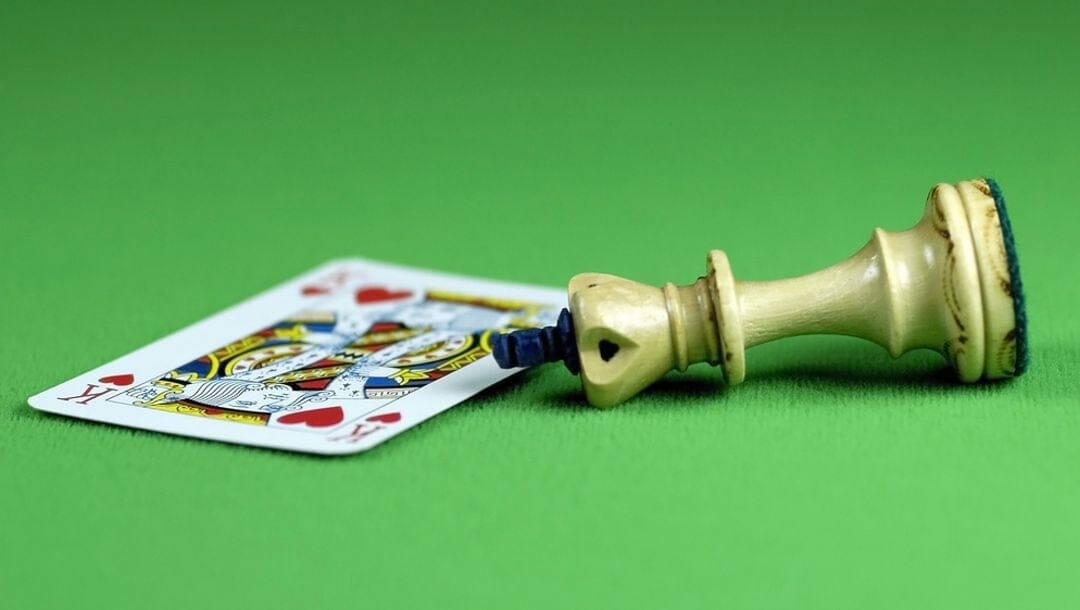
(310, 291)
(385, 418)
(377, 294)
(122, 379)
(315, 418)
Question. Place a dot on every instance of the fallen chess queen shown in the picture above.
(951, 284)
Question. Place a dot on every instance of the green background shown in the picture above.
(161, 162)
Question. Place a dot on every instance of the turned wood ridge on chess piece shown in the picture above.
(951, 284)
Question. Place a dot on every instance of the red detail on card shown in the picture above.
(385, 418)
(315, 418)
(122, 379)
(378, 294)
(310, 291)
(314, 384)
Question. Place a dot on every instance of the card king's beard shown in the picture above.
(244, 395)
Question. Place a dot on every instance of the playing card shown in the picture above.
(335, 361)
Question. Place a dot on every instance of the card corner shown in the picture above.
(37, 401)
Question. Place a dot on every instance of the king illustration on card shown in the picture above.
(351, 356)
(357, 357)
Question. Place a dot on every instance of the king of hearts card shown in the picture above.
(348, 355)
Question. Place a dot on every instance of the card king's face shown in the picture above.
(322, 366)
(237, 394)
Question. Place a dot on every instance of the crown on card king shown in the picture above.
(951, 284)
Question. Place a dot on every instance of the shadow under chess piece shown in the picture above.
(951, 284)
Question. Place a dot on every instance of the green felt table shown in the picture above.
(161, 161)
